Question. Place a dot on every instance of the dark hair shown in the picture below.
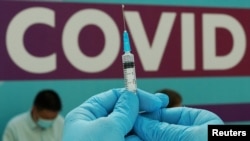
(174, 97)
(47, 99)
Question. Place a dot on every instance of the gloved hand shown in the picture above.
(109, 116)
(175, 124)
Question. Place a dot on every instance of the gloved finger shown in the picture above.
(96, 106)
(184, 116)
(132, 138)
(125, 112)
(150, 102)
(164, 98)
(153, 130)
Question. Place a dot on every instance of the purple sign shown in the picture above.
(46, 40)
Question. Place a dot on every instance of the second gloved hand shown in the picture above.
(175, 124)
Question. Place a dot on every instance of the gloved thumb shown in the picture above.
(149, 102)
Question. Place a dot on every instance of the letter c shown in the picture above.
(15, 45)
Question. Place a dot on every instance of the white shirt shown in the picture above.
(23, 128)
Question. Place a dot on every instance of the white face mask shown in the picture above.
(44, 123)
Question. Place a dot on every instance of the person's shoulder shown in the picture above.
(60, 118)
(59, 122)
(18, 119)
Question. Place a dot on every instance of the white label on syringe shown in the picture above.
(130, 79)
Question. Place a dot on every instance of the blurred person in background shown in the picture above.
(42, 123)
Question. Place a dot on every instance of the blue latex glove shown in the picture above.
(175, 124)
(109, 116)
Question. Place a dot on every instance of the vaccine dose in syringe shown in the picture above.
(128, 61)
(128, 65)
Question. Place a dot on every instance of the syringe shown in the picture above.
(128, 62)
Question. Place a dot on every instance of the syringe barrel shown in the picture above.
(129, 71)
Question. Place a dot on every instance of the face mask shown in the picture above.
(44, 123)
